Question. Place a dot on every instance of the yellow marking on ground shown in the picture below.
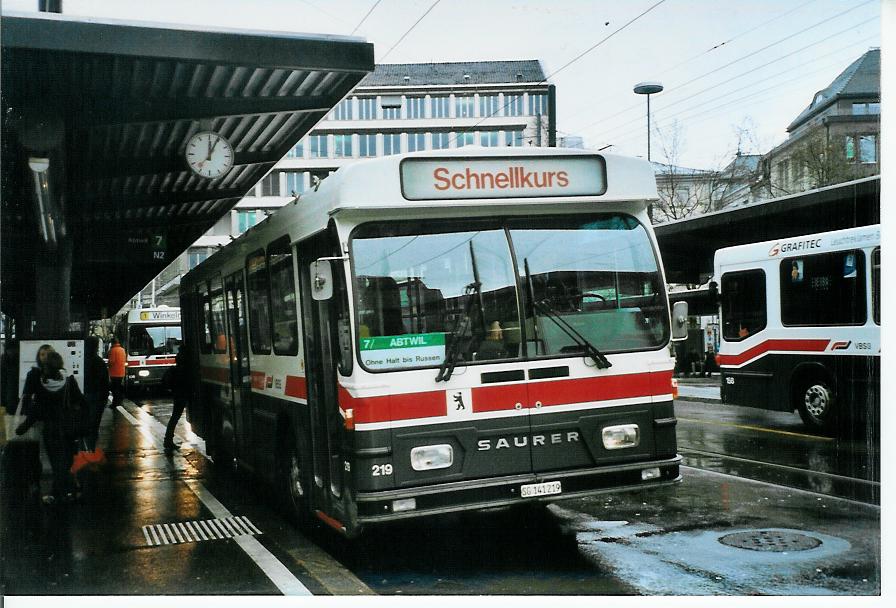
(756, 428)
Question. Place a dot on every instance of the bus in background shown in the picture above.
(151, 338)
(801, 326)
(435, 332)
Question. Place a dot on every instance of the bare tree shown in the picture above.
(683, 192)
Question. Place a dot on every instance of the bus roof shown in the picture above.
(809, 244)
(454, 181)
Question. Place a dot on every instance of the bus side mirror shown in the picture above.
(679, 320)
(321, 280)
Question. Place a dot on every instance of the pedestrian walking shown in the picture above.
(96, 388)
(709, 362)
(180, 386)
(58, 402)
(117, 362)
(32, 379)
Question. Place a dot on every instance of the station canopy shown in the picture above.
(110, 107)
(688, 246)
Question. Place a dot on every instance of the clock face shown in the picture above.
(209, 154)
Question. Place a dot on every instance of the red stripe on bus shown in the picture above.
(160, 361)
(606, 388)
(296, 387)
(393, 407)
(215, 374)
(431, 404)
(497, 398)
(769, 345)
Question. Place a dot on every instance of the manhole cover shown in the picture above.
(770, 540)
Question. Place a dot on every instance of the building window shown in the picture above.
(862, 109)
(297, 151)
(318, 146)
(868, 149)
(463, 106)
(416, 142)
(196, 257)
(513, 139)
(270, 185)
(682, 194)
(488, 105)
(743, 304)
(538, 104)
(295, 182)
(391, 113)
(343, 110)
(367, 108)
(488, 138)
(391, 143)
(245, 220)
(416, 107)
(440, 107)
(513, 105)
(367, 144)
(342, 146)
(824, 289)
(464, 138)
(440, 141)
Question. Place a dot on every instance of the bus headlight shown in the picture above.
(143, 373)
(621, 436)
(428, 457)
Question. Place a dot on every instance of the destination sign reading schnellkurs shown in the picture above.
(423, 178)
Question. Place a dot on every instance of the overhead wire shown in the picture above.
(716, 85)
(566, 65)
(410, 29)
(678, 87)
(665, 71)
(363, 19)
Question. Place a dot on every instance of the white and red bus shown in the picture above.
(801, 325)
(442, 331)
(151, 338)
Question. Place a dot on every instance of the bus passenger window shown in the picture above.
(259, 304)
(875, 285)
(743, 304)
(824, 289)
(283, 298)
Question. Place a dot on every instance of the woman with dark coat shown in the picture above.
(54, 388)
(32, 380)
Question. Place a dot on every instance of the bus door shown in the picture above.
(239, 363)
(322, 324)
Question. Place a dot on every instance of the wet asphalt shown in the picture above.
(747, 472)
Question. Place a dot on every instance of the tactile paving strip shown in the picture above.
(198, 531)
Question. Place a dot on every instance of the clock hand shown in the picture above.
(213, 147)
(209, 156)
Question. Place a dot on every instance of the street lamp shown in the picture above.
(648, 88)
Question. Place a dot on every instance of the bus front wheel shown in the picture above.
(815, 403)
(292, 481)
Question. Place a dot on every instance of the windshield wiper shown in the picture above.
(544, 307)
(462, 336)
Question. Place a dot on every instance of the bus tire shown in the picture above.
(814, 400)
(292, 481)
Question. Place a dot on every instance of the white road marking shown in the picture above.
(279, 574)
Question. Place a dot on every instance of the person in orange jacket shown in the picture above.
(117, 361)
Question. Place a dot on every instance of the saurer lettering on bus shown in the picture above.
(513, 177)
(522, 441)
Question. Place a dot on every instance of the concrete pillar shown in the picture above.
(53, 287)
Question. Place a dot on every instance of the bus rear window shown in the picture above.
(824, 289)
(743, 304)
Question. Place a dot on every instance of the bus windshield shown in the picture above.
(145, 340)
(424, 287)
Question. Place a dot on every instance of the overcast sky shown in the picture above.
(727, 65)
